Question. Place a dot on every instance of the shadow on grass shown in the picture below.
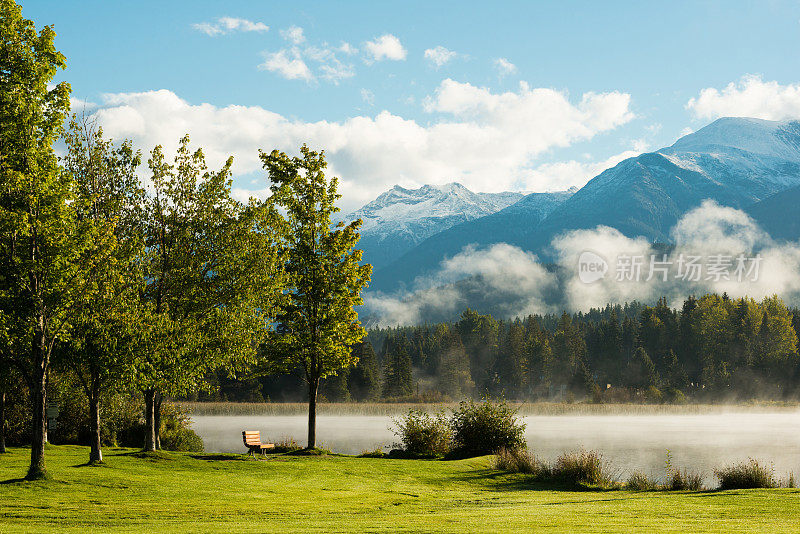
(92, 464)
(501, 481)
(12, 481)
(220, 457)
(153, 456)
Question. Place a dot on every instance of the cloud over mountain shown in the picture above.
(488, 141)
(749, 97)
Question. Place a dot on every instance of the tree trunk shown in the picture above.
(2, 422)
(96, 454)
(313, 386)
(157, 419)
(39, 431)
(149, 420)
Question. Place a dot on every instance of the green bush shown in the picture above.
(517, 461)
(750, 474)
(485, 428)
(377, 453)
(286, 444)
(678, 480)
(675, 396)
(684, 481)
(423, 434)
(176, 434)
(639, 481)
(581, 468)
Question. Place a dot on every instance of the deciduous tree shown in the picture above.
(325, 277)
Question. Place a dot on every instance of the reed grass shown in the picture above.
(532, 409)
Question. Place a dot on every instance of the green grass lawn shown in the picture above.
(181, 492)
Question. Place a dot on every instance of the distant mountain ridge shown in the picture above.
(508, 225)
(401, 218)
(779, 214)
(737, 162)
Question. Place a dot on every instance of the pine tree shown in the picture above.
(364, 379)
(398, 375)
(453, 378)
(510, 362)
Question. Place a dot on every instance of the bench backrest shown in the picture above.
(251, 437)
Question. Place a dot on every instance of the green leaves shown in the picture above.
(324, 274)
(212, 270)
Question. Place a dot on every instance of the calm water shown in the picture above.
(697, 442)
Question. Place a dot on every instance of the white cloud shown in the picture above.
(308, 62)
(750, 97)
(504, 66)
(330, 67)
(386, 46)
(514, 283)
(347, 48)
(225, 25)
(293, 34)
(488, 141)
(562, 175)
(439, 55)
(288, 64)
(76, 105)
(368, 96)
(503, 273)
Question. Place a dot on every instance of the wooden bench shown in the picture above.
(252, 440)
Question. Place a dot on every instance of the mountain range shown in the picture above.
(744, 163)
(401, 218)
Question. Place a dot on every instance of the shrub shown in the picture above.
(286, 444)
(684, 481)
(675, 396)
(638, 481)
(517, 461)
(423, 434)
(485, 428)
(678, 480)
(653, 395)
(377, 453)
(581, 467)
(176, 434)
(750, 474)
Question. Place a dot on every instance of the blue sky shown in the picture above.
(532, 95)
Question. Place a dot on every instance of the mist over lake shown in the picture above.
(628, 441)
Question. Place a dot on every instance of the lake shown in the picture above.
(696, 441)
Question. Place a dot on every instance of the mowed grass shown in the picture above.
(172, 492)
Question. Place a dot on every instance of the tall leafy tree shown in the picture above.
(100, 348)
(325, 277)
(49, 255)
(213, 279)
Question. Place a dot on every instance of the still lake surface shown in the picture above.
(628, 442)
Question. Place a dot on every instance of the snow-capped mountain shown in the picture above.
(400, 218)
(508, 225)
(735, 161)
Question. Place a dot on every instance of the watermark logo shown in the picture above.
(591, 267)
(663, 267)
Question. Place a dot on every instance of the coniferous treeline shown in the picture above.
(711, 349)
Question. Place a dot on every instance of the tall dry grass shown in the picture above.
(536, 408)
